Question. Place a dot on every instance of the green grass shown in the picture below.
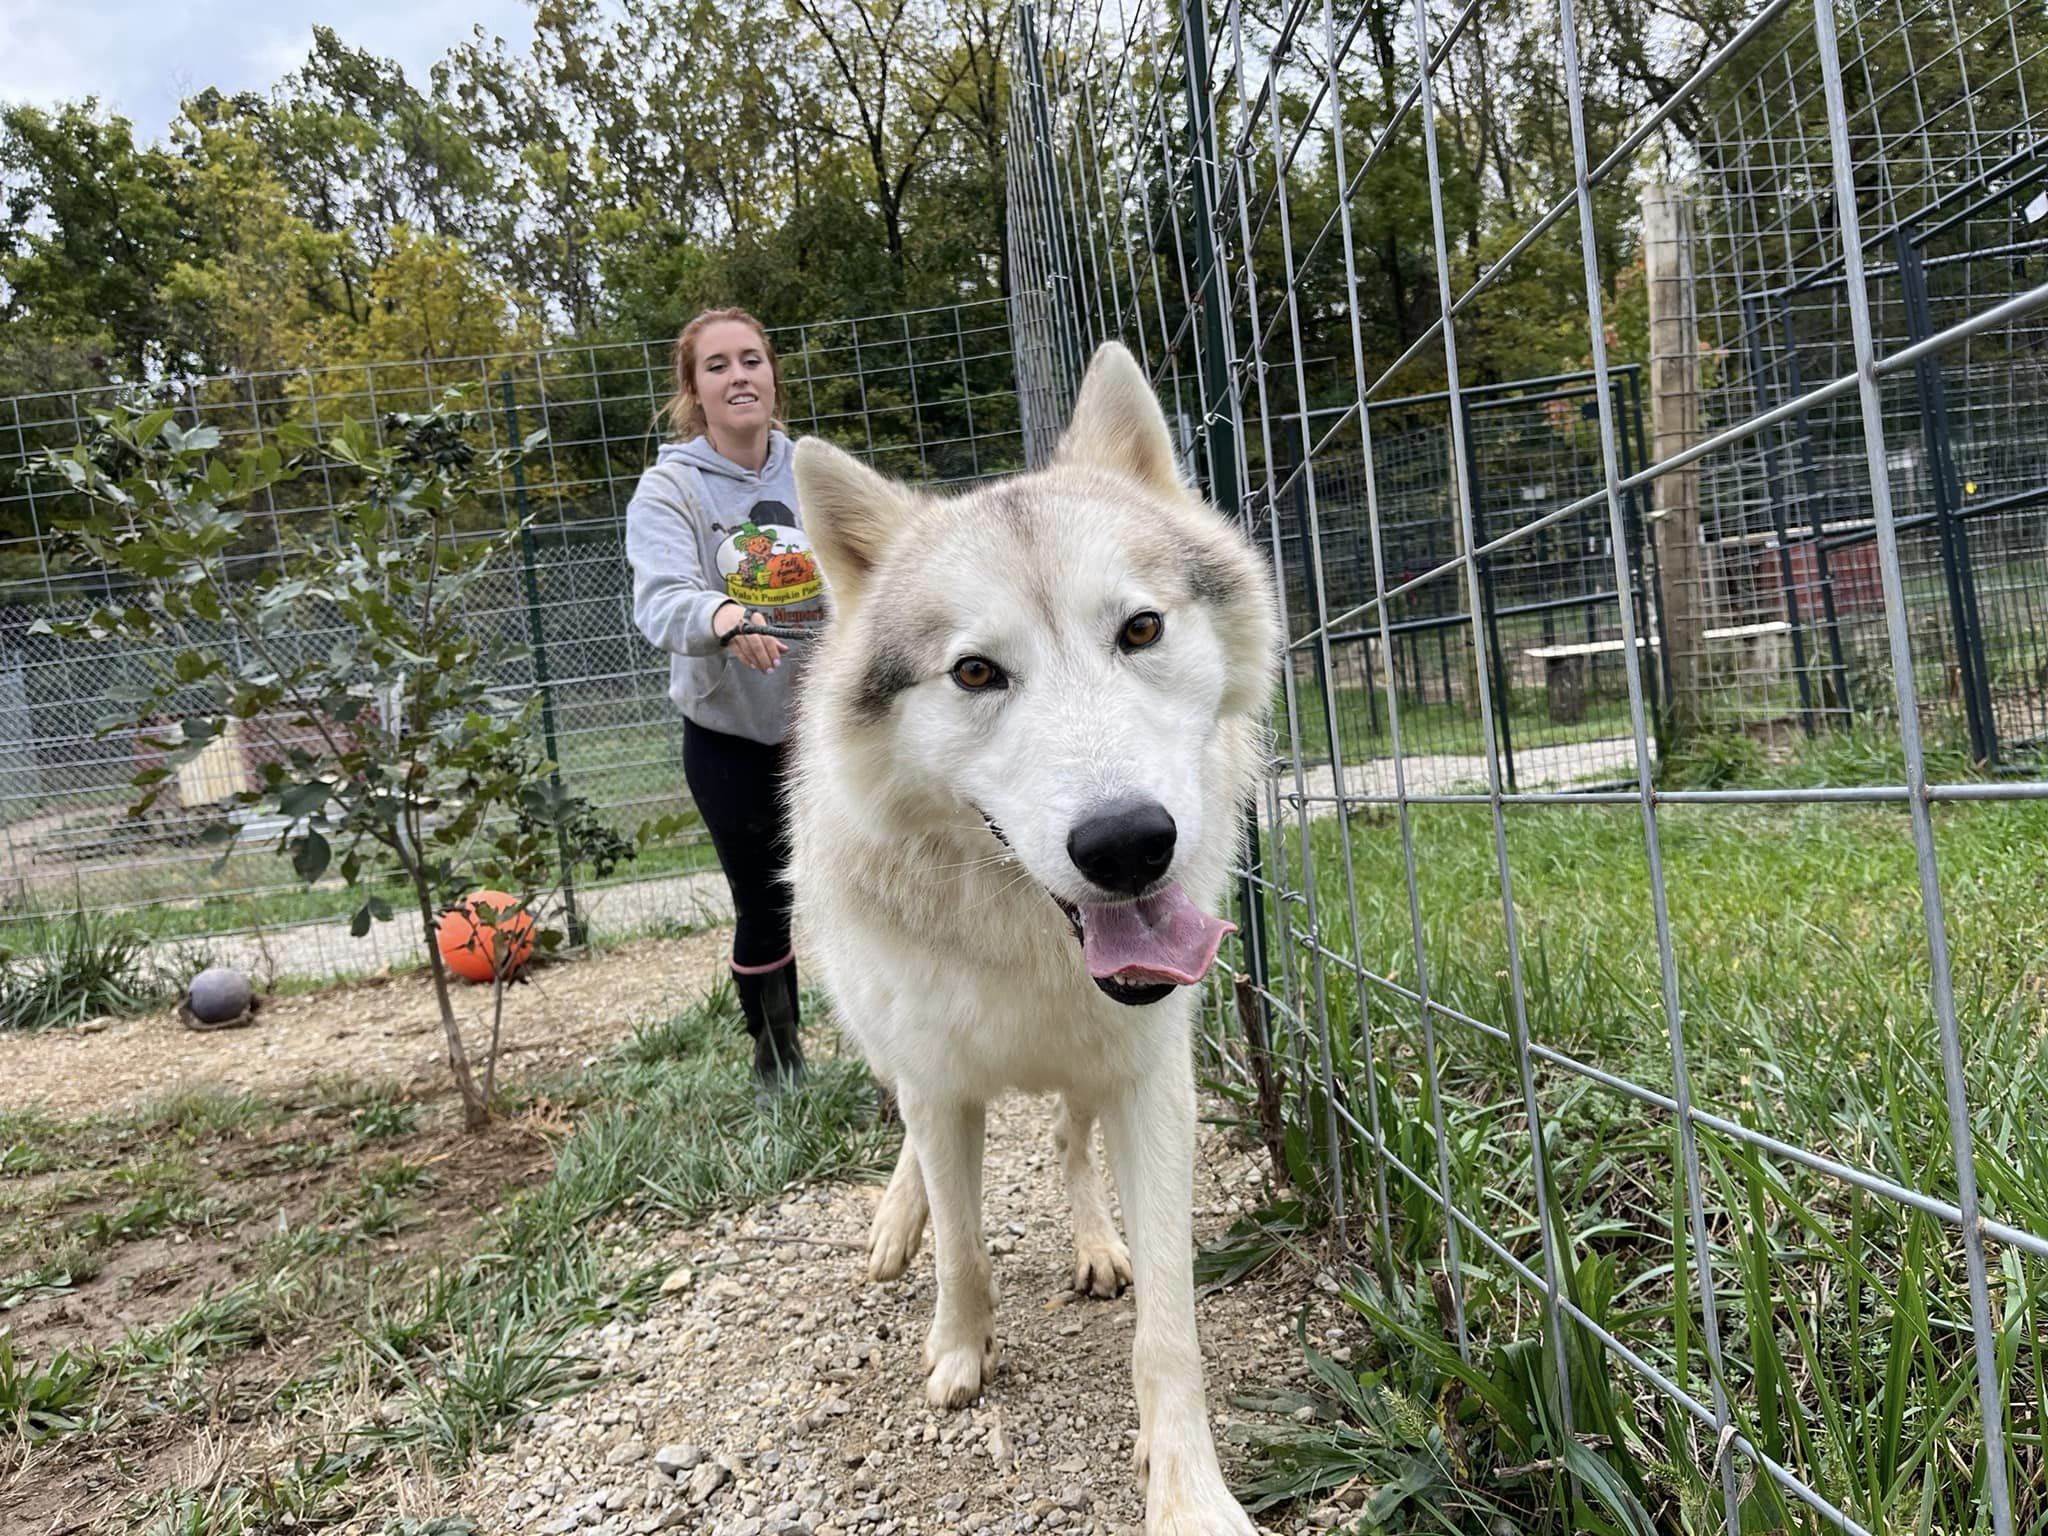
(299, 1495)
(41, 1400)
(57, 1234)
(255, 892)
(669, 1131)
(190, 1114)
(381, 1122)
(1433, 728)
(1803, 975)
(675, 1130)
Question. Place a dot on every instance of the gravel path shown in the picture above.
(770, 1392)
(1536, 768)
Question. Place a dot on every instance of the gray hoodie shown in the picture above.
(700, 530)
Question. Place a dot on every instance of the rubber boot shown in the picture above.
(769, 1001)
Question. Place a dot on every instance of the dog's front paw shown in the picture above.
(1102, 1267)
(958, 1372)
(893, 1236)
(1190, 1499)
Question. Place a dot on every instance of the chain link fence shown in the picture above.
(930, 396)
(1638, 968)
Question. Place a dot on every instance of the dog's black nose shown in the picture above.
(1125, 848)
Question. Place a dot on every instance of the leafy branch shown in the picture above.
(336, 675)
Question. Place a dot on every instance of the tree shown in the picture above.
(545, 199)
(429, 298)
(349, 665)
(92, 229)
(893, 87)
(365, 151)
(248, 298)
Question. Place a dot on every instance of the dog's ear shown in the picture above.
(851, 513)
(1117, 423)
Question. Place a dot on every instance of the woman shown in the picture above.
(715, 537)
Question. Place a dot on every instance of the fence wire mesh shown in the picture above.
(1637, 959)
(929, 396)
(1943, 111)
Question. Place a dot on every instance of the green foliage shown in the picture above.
(678, 1130)
(466, 1399)
(460, 1341)
(80, 969)
(804, 157)
(190, 1114)
(92, 231)
(381, 745)
(382, 1121)
(38, 1401)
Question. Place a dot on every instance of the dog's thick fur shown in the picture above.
(931, 856)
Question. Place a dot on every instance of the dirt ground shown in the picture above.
(771, 1392)
(383, 1029)
(142, 1182)
(770, 1360)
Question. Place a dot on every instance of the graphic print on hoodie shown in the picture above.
(767, 562)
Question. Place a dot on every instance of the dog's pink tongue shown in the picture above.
(1164, 937)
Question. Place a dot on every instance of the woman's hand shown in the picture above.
(761, 652)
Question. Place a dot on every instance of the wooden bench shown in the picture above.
(1565, 667)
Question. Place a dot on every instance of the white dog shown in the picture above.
(1024, 753)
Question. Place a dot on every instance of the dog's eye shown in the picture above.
(977, 674)
(1141, 630)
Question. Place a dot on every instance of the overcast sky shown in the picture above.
(140, 57)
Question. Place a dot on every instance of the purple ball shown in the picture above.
(218, 994)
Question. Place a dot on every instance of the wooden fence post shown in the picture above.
(1675, 426)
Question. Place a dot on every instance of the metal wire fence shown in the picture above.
(929, 396)
(1943, 109)
(1673, 1092)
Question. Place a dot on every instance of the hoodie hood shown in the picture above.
(700, 455)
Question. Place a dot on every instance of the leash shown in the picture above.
(753, 624)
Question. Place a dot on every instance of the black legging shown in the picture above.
(737, 785)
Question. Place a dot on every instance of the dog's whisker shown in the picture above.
(1023, 877)
(981, 863)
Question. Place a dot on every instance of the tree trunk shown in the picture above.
(476, 1109)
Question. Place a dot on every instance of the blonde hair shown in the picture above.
(684, 412)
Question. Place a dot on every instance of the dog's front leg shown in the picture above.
(1151, 1135)
(1102, 1265)
(898, 1226)
(960, 1352)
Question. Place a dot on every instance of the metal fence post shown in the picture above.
(1646, 593)
(536, 636)
(1071, 362)
(1816, 505)
(1946, 484)
(1941, 980)
(1491, 668)
(1781, 522)
(1219, 420)
(1651, 566)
